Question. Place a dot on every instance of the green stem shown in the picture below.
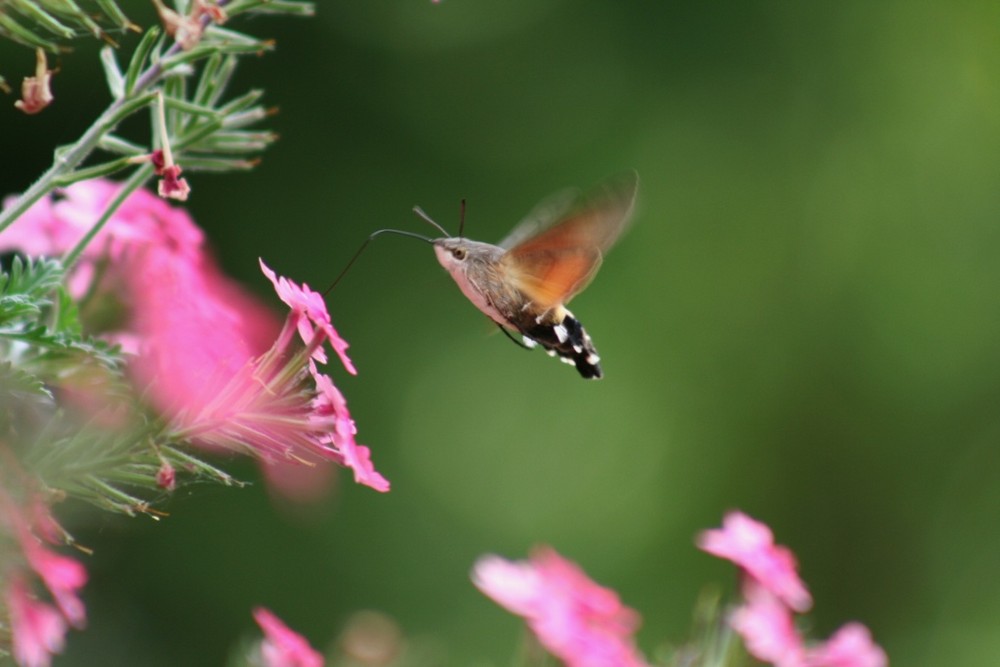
(134, 182)
(69, 159)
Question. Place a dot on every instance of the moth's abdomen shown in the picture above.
(570, 342)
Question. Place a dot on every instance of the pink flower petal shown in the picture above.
(513, 585)
(37, 629)
(310, 304)
(850, 646)
(354, 456)
(198, 330)
(750, 545)
(768, 630)
(63, 576)
(575, 619)
(283, 647)
(53, 226)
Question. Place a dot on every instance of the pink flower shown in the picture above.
(208, 356)
(54, 225)
(36, 91)
(773, 591)
(309, 310)
(575, 619)
(750, 544)
(850, 646)
(276, 406)
(283, 647)
(63, 576)
(768, 629)
(196, 329)
(23, 520)
(171, 185)
(37, 629)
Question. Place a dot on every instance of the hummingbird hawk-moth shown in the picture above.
(524, 283)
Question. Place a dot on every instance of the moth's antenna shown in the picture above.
(461, 219)
(365, 245)
(426, 218)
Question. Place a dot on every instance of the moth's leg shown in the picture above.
(511, 336)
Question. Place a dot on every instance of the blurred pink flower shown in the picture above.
(63, 576)
(750, 544)
(575, 619)
(54, 225)
(768, 629)
(283, 647)
(850, 646)
(37, 629)
(196, 329)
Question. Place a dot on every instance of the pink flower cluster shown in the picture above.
(578, 621)
(773, 592)
(586, 625)
(209, 356)
(37, 628)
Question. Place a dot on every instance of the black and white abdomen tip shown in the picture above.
(571, 343)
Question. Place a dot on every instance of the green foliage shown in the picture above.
(712, 641)
(66, 405)
(27, 288)
(199, 124)
(53, 24)
(37, 312)
(50, 24)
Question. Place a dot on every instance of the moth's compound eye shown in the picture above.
(458, 253)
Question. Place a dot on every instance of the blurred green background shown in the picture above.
(803, 322)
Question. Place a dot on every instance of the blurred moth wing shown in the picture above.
(555, 253)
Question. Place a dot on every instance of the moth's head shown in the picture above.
(459, 255)
(452, 252)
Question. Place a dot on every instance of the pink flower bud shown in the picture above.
(166, 476)
(36, 92)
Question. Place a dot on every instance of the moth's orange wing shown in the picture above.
(557, 262)
(551, 277)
